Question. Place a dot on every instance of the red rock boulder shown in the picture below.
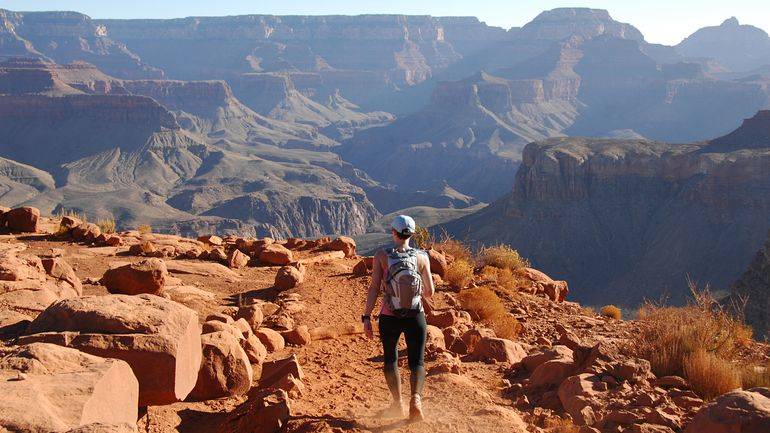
(225, 369)
(252, 314)
(289, 277)
(144, 276)
(345, 244)
(540, 283)
(59, 269)
(578, 395)
(213, 240)
(49, 388)
(23, 219)
(25, 286)
(271, 339)
(86, 232)
(438, 262)
(498, 349)
(299, 336)
(158, 338)
(236, 259)
(745, 411)
(265, 411)
(275, 254)
(68, 223)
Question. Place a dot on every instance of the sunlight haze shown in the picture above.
(660, 21)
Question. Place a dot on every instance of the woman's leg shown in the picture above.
(416, 331)
(390, 332)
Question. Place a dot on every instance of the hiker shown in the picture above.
(402, 274)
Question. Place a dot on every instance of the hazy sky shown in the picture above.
(662, 21)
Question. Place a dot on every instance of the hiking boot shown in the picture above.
(415, 408)
(395, 410)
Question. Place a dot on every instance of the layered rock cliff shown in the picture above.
(275, 95)
(408, 48)
(135, 155)
(625, 220)
(68, 36)
(751, 292)
(471, 135)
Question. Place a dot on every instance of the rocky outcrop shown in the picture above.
(68, 36)
(624, 220)
(739, 47)
(751, 292)
(560, 23)
(52, 388)
(158, 338)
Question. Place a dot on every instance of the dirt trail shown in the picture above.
(344, 385)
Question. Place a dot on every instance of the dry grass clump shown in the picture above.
(459, 273)
(752, 377)
(73, 214)
(485, 305)
(709, 375)
(422, 238)
(106, 225)
(144, 229)
(454, 248)
(698, 341)
(587, 311)
(505, 278)
(503, 257)
(612, 312)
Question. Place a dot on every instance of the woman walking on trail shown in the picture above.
(402, 274)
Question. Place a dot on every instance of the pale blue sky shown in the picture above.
(661, 21)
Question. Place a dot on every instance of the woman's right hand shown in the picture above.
(368, 328)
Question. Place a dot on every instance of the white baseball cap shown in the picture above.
(404, 225)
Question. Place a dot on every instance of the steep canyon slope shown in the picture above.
(625, 220)
(182, 156)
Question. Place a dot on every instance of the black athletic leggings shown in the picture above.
(414, 329)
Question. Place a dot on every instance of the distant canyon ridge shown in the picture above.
(310, 125)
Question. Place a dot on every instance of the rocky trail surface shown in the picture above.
(274, 327)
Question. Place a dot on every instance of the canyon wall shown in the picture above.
(628, 220)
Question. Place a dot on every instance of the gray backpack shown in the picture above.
(403, 288)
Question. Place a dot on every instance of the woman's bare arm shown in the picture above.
(374, 286)
(427, 277)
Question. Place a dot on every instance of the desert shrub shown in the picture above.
(106, 225)
(754, 376)
(505, 278)
(587, 311)
(454, 248)
(508, 280)
(611, 311)
(489, 273)
(671, 338)
(506, 326)
(459, 273)
(503, 257)
(709, 375)
(486, 306)
(144, 229)
(422, 238)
